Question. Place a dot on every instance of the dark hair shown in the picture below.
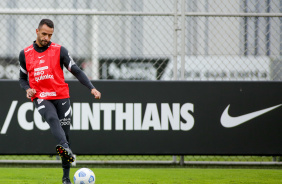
(48, 22)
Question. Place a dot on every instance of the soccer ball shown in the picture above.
(84, 176)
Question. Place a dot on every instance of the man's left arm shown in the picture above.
(68, 62)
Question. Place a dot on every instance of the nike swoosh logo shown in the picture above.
(40, 56)
(228, 122)
(64, 103)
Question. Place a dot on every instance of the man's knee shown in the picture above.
(51, 118)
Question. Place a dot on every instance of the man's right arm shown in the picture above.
(23, 72)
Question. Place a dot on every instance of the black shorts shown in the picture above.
(57, 113)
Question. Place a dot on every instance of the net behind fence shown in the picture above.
(152, 40)
(193, 40)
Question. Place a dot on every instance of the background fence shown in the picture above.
(153, 40)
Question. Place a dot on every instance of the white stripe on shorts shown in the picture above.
(41, 107)
(68, 112)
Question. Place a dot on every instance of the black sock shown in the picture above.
(66, 172)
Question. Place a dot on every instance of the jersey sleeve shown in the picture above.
(69, 63)
(23, 78)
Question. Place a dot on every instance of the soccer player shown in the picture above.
(41, 75)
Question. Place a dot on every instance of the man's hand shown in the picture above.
(30, 93)
(96, 93)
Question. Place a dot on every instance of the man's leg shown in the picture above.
(64, 114)
(48, 111)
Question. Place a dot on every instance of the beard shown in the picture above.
(43, 42)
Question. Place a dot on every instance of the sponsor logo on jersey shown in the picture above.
(40, 71)
(45, 94)
(43, 77)
(41, 68)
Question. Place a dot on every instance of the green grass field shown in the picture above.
(146, 176)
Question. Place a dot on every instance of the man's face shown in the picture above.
(44, 35)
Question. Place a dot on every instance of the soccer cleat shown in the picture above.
(66, 181)
(65, 153)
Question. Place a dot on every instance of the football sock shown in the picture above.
(66, 172)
